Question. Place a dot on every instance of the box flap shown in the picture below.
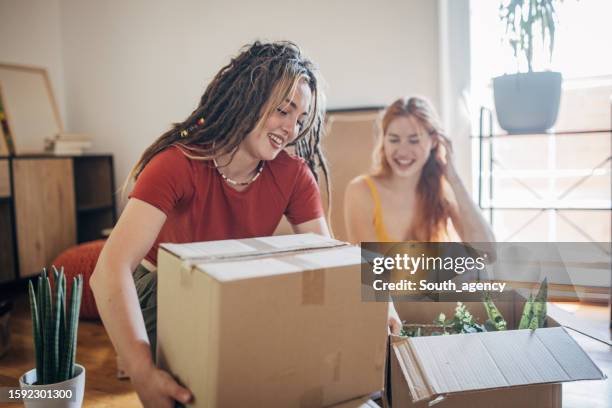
(238, 269)
(236, 248)
(363, 402)
(439, 365)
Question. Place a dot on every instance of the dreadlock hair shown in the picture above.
(433, 212)
(239, 99)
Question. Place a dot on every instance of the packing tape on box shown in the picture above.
(313, 281)
(186, 273)
(262, 245)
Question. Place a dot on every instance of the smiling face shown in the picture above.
(407, 146)
(282, 125)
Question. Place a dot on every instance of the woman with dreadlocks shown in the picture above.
(222, 173)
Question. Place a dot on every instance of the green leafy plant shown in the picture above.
(411, 332)
(534, 312)
(533, 316)
(522, 19)
(463, 321)
(496, 321)
(54, 325)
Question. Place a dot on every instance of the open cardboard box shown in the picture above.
(506, 369)
(273, 321)
(363, 402)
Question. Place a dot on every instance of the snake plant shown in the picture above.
(55, 320)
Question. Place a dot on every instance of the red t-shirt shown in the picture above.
(200, 206)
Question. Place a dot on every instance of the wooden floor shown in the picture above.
(94, 352)
(103, 389)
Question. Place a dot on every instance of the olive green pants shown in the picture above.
(146, 287)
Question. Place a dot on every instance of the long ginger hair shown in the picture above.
(430, 220)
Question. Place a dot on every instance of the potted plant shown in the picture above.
(528, 102)
(55, 319)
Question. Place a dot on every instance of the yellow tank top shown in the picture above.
(379, 225)
(409, 247)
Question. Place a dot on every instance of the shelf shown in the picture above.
(507, 208)
(7, 246)
(582, 205)
(93, 178)
(546, 173)
(567, 160)
(91, 224)
(46, 155)
(561, 133)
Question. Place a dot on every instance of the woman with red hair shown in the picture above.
(413, 192)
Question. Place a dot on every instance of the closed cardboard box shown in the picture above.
(274, 321)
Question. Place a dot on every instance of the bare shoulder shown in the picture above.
(357, 186)
(358, 193)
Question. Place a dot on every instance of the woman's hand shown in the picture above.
(156, 388)
(394, 322)
(395, 326)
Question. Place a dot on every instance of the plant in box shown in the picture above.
(528, 102)
(55, 319)
(533, 317)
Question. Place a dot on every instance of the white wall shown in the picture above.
(134, 67)
(454, 25)
(123, 71)
(30, 33)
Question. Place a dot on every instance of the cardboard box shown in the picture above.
(274, 321)
(364, 402)
(514, 368)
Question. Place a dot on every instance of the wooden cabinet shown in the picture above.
(48, 204)
(5, 182)
(7, 248)
(44, 211)
(95, 189)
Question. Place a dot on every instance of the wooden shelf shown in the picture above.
(94, 184)
(7, 246)
(48, 204)
(91, 224)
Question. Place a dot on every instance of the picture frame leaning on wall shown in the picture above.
(30, 108)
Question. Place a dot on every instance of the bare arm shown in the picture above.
(469, 223)
(117, 300)
(467, 218)
(359, 212)
(316, 226)
(465, 215)
(358, 219)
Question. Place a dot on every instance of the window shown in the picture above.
(582, 41)
(568, 174)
